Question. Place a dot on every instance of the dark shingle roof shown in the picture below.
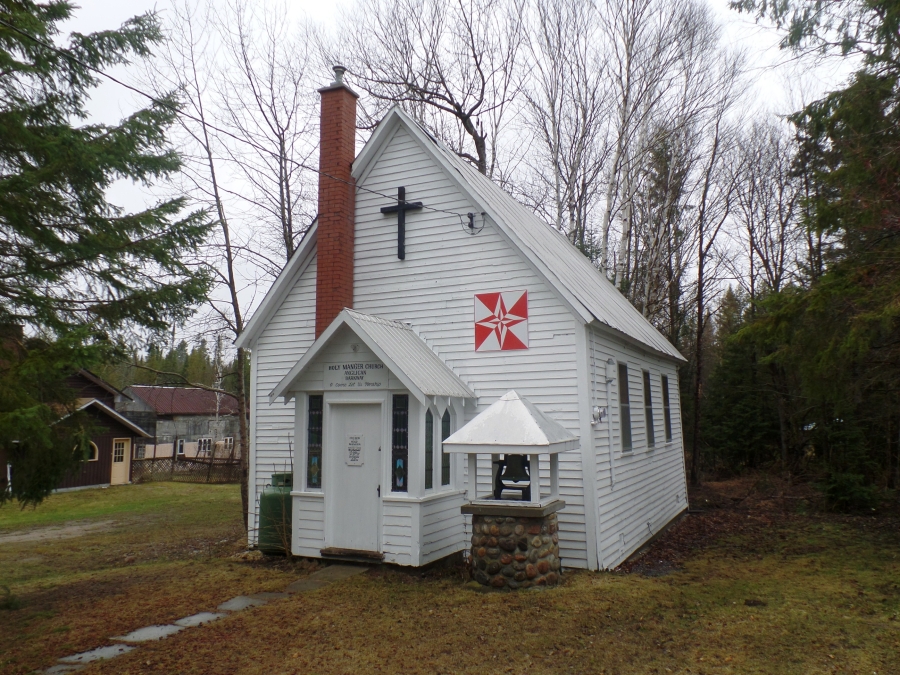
(185, 400)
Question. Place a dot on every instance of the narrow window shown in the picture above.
(314, 441)
(140, 451)
(445, 456)
(648, 411)
(667, 413)
(429, 450)
(92, 454)
(624, 407)
(399, 442)
(181, 446)
(118, 451)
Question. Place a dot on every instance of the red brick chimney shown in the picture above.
(337, 193)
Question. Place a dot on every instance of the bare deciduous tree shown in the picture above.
(268, 100)
(452, 65)
(567, 105)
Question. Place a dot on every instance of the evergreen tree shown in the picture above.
(76, 270)
(838, 335)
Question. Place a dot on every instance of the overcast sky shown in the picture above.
(779, 81)
(780, 84)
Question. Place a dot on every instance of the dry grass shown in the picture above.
(775, 592)
(829, 611)
(167, 555)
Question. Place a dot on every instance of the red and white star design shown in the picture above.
(501, 321)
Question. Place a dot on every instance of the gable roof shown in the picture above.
(84, 403)
(404, 353)
(100, 382)
(564, 267)
(587, 292)
(185, 400)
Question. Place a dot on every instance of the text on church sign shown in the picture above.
(355, 375)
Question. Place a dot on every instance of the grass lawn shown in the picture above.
(162, 551)
(755, 589)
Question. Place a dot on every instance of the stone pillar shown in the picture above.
(515, 550)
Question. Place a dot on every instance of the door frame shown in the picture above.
(337, 399)
(126, 460)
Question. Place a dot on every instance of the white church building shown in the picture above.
(422, 294)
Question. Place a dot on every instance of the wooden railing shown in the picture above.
(193, 470)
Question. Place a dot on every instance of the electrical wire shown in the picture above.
(204, 123)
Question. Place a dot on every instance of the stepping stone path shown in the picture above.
(319, 579)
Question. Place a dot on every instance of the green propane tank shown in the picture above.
(275, 515)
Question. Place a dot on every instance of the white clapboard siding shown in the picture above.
(280, 345)
(434, 288)
(645, 488)
(308, 534)
(442, 527)
(398, 527)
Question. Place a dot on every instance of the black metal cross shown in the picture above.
(400, 209)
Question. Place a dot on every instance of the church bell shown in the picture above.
(513, 469)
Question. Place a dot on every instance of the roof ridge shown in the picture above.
(372, 318)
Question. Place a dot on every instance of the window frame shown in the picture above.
(429, 449)
(667, 407)
(314, 449)
(96, 453)
(446, 464)
(179, 447)
(400, 443)
(115, 442)
(204, 446)
(648, 410)
(624, 409)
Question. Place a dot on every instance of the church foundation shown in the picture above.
(515, 550)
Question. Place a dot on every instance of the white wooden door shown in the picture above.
(121, 461)
(352, 476)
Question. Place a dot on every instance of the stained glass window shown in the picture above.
(314, 442)
(399, 443)
(667, 412)
(648, 410)
(445, 456)
(429, 450)
(624, 407)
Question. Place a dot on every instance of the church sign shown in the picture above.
(501, 321)
(355, 444)
(355, 375)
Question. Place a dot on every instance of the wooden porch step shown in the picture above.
(352, 555)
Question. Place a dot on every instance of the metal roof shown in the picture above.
(397, 345)
(185, 400)
(512, 425)
(109, 412)
(563, 264)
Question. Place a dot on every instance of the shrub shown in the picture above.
(848, 492)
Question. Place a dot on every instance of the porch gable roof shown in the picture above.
(404, 353)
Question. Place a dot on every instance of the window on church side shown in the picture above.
(399, 443)
(445, 456)
(624, 407)
(667, 412)
(314, 442)
(429, 450)
(648, 410)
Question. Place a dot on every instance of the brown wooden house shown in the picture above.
(112, 444)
